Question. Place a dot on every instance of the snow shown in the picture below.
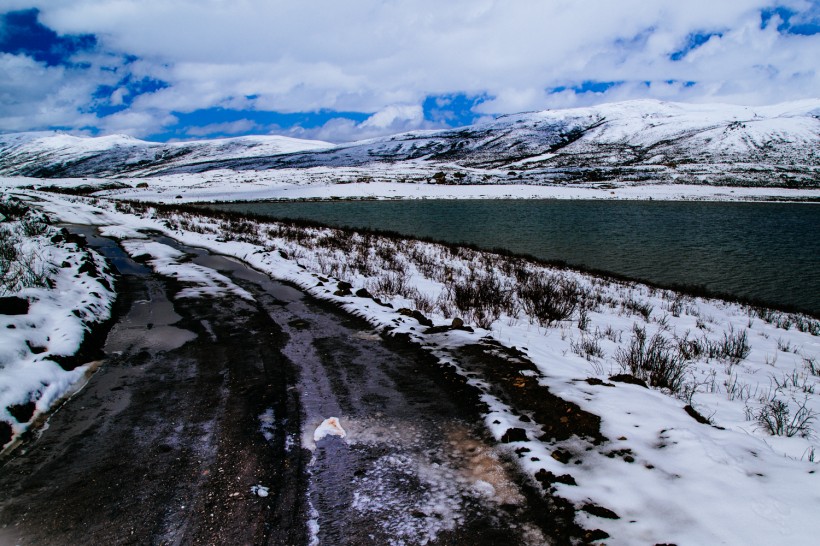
(58, 318)
(260, 491)
(166, 260)
(668, 477)
(642, 141)
(329, 427)
(340, 183)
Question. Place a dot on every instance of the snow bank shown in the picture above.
(69, 289)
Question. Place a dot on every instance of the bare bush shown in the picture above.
(19, 268)
(587, 347)
(654, 360)
(389, 284)
(548, 298)
(480, 297)
(775, 417)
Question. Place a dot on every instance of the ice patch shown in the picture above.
(267, 424)
(329, 427)
(259, 490)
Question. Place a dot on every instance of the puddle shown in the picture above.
(148, 326)
(148, 323)
(109, 248)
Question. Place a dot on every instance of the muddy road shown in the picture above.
(200, 401)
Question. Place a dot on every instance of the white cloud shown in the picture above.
(389, 121)
(227, 128)
(370, 56)
(33, 96)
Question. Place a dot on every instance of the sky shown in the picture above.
(339, 71)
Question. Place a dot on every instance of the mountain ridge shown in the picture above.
(640, 140)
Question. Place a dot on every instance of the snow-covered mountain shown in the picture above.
(49, 154)
(634, 140)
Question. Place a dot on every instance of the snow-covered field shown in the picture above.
(747, 475)
(387, 182)
(53, 291)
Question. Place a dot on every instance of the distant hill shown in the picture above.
(57, 155)
(643, 140)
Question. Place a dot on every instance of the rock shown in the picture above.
(343, 289)
(547, 478)
(628, 378)
(12, 305)
(514, 435)
(5, 433)
(363, 293)
(599, 511)
(424, 321)
(693, 413)
(561, 456)
(22, 412)
(457, 323)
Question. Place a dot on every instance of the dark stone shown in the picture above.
(514, 435)
(599, 511)
(424, 321)
(628, 378)
(595, 535)
(12, 305)
(596, 381)
(547, 478)
(458, 323)
(5, 433)
(561, 456)
(693, 413)
(343, 289)
(35, 348)
(90, 268)
(363, 293)
(22, 412)
(416, 314)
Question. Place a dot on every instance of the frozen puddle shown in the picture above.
(411, 485)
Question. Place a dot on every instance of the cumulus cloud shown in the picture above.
(228, 128)
(386, 57)
(388, 121)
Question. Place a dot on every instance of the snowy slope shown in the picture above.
(48, 154)
(639, 136)
(642, 140)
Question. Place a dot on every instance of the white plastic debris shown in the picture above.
(329, 427)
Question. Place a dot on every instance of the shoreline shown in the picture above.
(273, 186)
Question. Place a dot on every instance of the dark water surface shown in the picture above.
(765, 251)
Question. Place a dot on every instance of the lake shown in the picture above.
(769, 252)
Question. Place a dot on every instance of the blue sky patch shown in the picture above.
(196, 123)
(586, 87)
(21, 33)
(455, 110)
(792, 22)
(693, 41)
(105, 103)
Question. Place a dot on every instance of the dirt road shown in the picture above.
(199, 400)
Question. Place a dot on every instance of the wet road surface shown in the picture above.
(199, 400)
